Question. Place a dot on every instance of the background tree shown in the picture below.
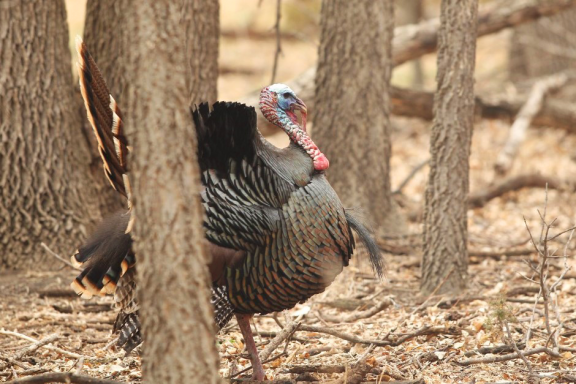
(177, 317)
(544, 47)
(445, 260)
(351, 119)
(47, 190)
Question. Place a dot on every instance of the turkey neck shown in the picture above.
(298, 135)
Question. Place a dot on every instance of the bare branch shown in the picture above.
(518, 130)
(278, 40)
(62, 377)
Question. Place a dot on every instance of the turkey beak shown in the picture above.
(299, 105)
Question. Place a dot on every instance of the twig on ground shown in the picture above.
(497, 254)
(359, 315)
(494, 350)
(284, 353)
(49, 347)
(512, 343)
(285, 334)
(57, 292)
(31, 348)
(507, 357)
(426, 330)
(57, 256)
(62, 377)
(278, 40)
(26, 372)
(358, 370)
(518, 130)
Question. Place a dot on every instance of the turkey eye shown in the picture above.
(286, 95)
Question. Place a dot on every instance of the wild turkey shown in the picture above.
(278, 233)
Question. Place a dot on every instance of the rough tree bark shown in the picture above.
(445, 258)
(47, 192)
(351, 120)
(177, 317)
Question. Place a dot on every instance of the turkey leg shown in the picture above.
(257, 369)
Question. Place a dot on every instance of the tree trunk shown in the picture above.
(351, 120)
(47, 190)
(177, 317)
(108, 41)
(445, 259)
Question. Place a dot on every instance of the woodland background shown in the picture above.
(515, 320)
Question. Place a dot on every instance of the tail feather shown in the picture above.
(367, 239)
(223, 310)
(105, 119)
(128, 327)
(105, 258)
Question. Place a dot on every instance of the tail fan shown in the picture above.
(106, 120)
(367, 239)
(105, 257)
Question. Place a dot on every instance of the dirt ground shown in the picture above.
(446, 333)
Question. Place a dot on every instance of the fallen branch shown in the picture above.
(481, 198)
(426, 330)
(62, 377)
(57, 292)
(29, 349)
(357, 372)
(49, 347)
(518, 130)
(285, 334)
(360, 314)
(413, 41)
(497, 254)
(494, 350)
(507, 357)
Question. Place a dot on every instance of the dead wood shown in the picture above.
(285, 334)
(314, 368)
(481, 198)
(496, 349)
(387, 302)
(356, 374)
(390, 339)
(62, 377)
(348, 304)
(502, 253)
(518, 130)
(507, 357)
(28, 350)
(413, 41)
(527, 290)
(57, 292)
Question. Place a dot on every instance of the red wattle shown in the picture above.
(321, 163)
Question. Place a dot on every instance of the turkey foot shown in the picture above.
(244, 324)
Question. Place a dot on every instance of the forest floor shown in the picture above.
(427, 339)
